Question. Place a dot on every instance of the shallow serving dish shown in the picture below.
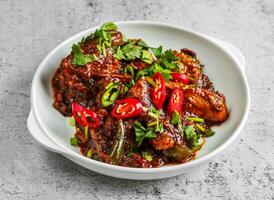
(224, 65)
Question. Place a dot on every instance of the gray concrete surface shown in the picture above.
(30, 29)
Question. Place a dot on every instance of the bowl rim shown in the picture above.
(71, 153)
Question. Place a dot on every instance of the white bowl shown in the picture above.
(224, 66)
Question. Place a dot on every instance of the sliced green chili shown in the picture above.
(111, 94)
(151, 82)
(201, 128)
(209, 133)
(153, 123)
(89, 154)
(196, 119)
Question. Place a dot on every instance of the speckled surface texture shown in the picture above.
(30, 29)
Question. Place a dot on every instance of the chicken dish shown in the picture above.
(134, 105)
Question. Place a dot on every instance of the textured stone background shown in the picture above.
(30, 29)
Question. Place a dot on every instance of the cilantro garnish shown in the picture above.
(192, 136)
(146, 57)
(134, 50)
(81, 59)
(109, 26)
(155, 67)
(157, 51)
(141, 133)
(165, 63)
(147, 156)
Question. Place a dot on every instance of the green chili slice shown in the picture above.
(89, 154)
(196, 119)
(86, 132)
(111, 94)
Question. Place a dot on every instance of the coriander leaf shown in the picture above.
(192, 136)
(157, 51)
(141, 133)
(79, 58)
(87, 39)
(146, 56)
(142, 43)
(175, 118)
(147, 156)
(168, 55)
(109, 26)
(133, 54)
(166, 73)
(119, 54)
(168, 65)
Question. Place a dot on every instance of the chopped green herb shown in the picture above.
(147, 156)
(109, 26)
(133, 150)
(169, 56)
(79, 58)
(142, 43)
(149, 71)
(192, 136)
(141, 133)
(73, 141)
(157, 51)
(196, 119)
(89, 154)
(119, 54)
(175, 118)
(164, 65)
(146, 57)
(134, 50)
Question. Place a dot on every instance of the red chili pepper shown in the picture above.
(84, 116)
(158, 93)
(180, 77)
(176, 101)
(126, 108)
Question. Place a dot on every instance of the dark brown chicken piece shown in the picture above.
(141, 91)
(163, 141)
(190, 66)
(206, 104)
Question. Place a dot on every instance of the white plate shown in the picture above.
(224, 66)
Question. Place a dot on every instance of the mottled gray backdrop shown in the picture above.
(30, 29)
